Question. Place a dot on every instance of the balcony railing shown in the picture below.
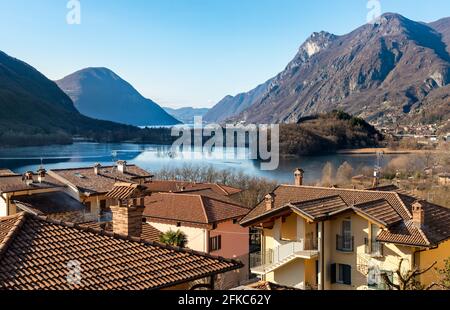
(305, 247)
(345, 243)
(374, 248)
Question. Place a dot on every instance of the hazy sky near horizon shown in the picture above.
(183, 52)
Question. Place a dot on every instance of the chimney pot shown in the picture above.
(270, 201)
(122, 166)
(97, 169)
(28, 178)
(418, 214)
(41, 175)
(298, 176)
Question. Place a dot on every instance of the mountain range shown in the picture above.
(100, 93)
(35, 111)
(186, 115)
(388, 72)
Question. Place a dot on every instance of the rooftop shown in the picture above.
(88, 182)
(182, 186)
(149, 233)
(15, 183)
(37, 253)
(49, 203)
(389, 206)
(191, 209)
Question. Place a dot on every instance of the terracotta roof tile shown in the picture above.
(295, 194)
(39, 251)
(190, 208)
(387, 204)
(380, 210)
(321, 207)
(149, 233)
(14, 183)
(88, 182)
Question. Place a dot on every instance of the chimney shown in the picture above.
(128, 210)
(97, 168)
(376, 179)
(28, 178)
(418, 214)
(270, 201)
(41, 175)
(122, 166)
(298, 177)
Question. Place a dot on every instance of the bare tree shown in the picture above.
(344, 174)
(327, 174)
(408, 280)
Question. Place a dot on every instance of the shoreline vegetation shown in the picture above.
(315, 135)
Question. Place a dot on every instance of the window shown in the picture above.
(374, 279)
(215, 243)
(341, 273)
(88, 206)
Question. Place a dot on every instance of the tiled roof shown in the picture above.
(392, 208)
(295, 194)
(321, 207)
(404, 233)
(88, 182)
(190, 208)
(126, 191)
(42, 254)
(181, 186)
(149, 233)
(14, 183)
(50, 203)
(380, 210)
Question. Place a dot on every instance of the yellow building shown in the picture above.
(330, 238)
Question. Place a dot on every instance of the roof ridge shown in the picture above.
(341, 188)
(318, 199)
(21, 218)
(103, 232)
(204, 209)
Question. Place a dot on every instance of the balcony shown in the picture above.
(345, 243)
(263, 262)
(374, 249)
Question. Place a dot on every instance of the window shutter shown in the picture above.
(333, 273)
(219, 246)
(347, 274)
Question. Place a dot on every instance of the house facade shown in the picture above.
(210, 224)
(344, 239)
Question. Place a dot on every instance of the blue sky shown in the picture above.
(183, 52)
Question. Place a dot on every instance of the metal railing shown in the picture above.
(374, 248)
(345, 243)
(282, 252)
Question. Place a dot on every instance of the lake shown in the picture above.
(155, 157)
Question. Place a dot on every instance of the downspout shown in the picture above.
(322, 256)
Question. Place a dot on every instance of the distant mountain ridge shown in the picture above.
(385, 73)
(187, 114)
(35, 111)
(100, 93)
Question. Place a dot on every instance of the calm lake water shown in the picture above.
(155, 157)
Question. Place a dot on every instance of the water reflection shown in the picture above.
(155, 157)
